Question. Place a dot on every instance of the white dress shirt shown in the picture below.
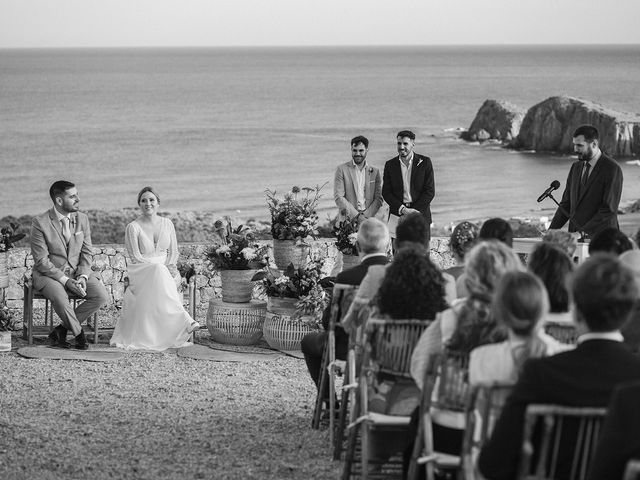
(361, 178)
(406, 179)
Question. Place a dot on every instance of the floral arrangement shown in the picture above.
(302, 283)
(346, 232)
(7, 322)
(8, 236)
(237, 248)
(294, 217)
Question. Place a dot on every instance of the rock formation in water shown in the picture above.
(496, 120)
(549, 126)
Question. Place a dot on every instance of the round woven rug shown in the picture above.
(203, 352)
(51, 353)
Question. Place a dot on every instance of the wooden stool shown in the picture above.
(29, 330)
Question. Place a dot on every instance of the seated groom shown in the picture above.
(61, 250)
(372, 242)
(604, 294)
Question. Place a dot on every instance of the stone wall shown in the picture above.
(110, 265)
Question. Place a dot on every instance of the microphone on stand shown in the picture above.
(554, 186)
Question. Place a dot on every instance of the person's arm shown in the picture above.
(428, 189)
(393, 200)
(40, 254)
(430, 343)
(339, 194)
(172, 253)
(131, 244)
(377, 197)
(609, 203)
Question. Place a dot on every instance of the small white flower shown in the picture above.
(282, 280)
(353, 237)
(248, 253)
(223, 250)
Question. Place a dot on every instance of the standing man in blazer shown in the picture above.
(594, 186)
(357, 186)
(62, 255)
(408, 184)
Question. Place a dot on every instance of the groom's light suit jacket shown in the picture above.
(344, 190)
(52, 256)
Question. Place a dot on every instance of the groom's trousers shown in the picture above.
(71, 318)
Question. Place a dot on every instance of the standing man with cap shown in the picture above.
(594, 186)
(357, 186)
(408, 184)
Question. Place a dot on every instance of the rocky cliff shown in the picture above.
(549, 125)
(496, 120)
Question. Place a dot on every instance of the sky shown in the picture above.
(149, 23)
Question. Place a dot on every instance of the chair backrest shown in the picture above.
(563, 332)
(483, 410)
(632, 470)
(341, 299)
(390, 343)
(559, 441)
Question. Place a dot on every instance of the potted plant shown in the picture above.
(345, 230)
(7, 323)
(237, 256)
(293, 222)
(295, 303)
(8, 237)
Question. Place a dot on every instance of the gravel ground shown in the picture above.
(159, 416)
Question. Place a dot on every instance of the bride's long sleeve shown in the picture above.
(172, 253)
(131, 244)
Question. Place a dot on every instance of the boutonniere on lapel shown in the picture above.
(419, 162)
(370, 170)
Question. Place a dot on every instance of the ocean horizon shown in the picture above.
(212, 128)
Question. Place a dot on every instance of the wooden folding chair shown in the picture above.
(388, 345)
(559, 441)
(483, 410)
(563, 332)
(445, 389)
(340, 302)
(632, 470)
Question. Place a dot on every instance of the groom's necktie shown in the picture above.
(585, 176)
(66, 231)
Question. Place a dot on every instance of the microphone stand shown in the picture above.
(582, 238)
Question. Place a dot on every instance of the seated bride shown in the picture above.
(153, 317)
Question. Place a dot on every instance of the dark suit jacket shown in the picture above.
(620, 436)
(584, 377)
(351, 276)
(596, 208)
(422, 185)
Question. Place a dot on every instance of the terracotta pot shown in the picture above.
(237, 286)
(288, 251)
(280, 331)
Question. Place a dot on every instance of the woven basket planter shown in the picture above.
(237, 286)
(279, 330)
(236, 323)
(4, 272)
(287, 251)
(349, 261)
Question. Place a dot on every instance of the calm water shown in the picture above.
(212, 128)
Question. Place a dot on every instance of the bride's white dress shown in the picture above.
(153, 317)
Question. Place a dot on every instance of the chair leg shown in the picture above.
(96, 333)
(418, 446)
(338, 439)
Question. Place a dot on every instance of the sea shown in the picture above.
(211, 128)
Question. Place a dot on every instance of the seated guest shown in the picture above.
(519, 304)
(619, 441)
(463, 237)
(497, 229)
(562, 239)
(631, 329)
(413, 230)
(413, 288)
(469, 322)
(372, 243)
(552, 265)
(492, 229)
(610, 240)
(604, 294)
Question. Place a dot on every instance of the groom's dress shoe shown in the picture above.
(58, 337)
(81, 342)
